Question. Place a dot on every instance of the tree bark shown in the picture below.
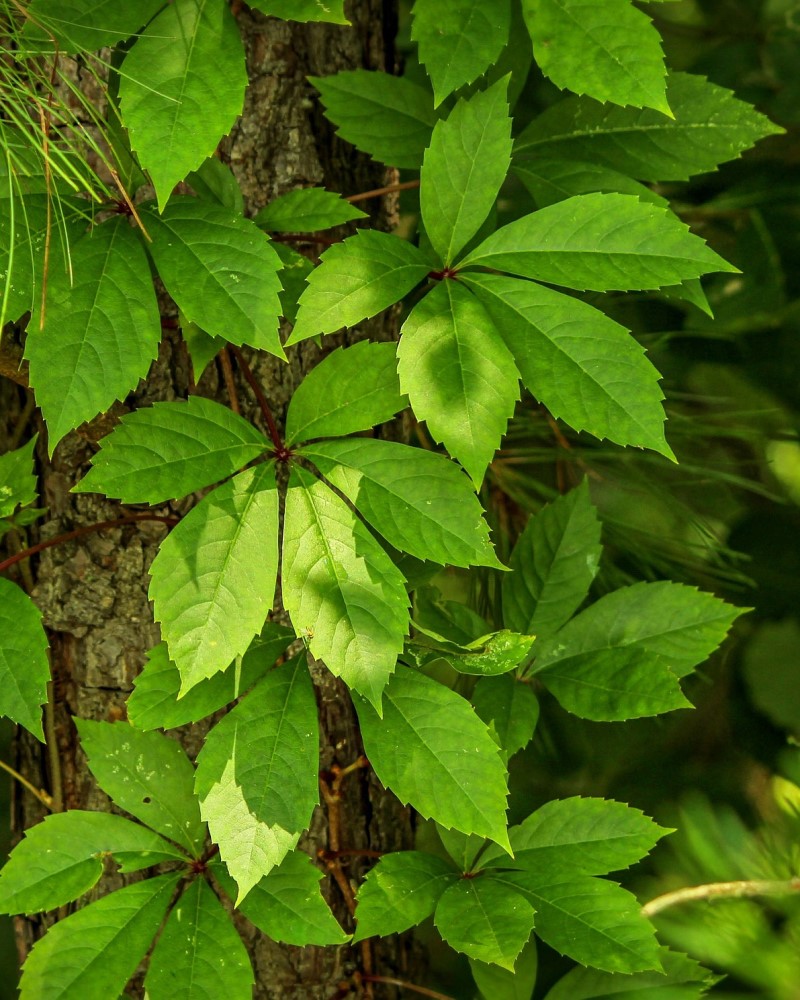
(93, 591)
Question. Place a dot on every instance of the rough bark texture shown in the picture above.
(93, 593)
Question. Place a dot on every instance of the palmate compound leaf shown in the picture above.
(465, 165)
(147, 775)
(155, 703)
(257, 774)
(421, 502)
(435, 754)
(307, 210)
(400, 892)
(181, 89)
(356, 279)
(17, 479)
(387, 116)
(342, 591)
(93, 953)
(287, 904)
(352, 389)
(168, 450)
(220, 269)
(710, 126)
(458, 374)
(607, 49)
(510, 707)
(682, 979)
(199, 953)
(554, 561)
(303, 10)
(621, 658)
(101, 332)
(459, 39)
(63, 857)
(24, 667)
(213, 579)
(585, 368)
(600, 242)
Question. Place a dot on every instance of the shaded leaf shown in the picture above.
(510, 707)
(296, 269)
(496, 983)
(303, 10)
(17, 479)
(307, 210)
(682, 979)
(214, 181)
(549, 181)
(86, 25)
(24, 666)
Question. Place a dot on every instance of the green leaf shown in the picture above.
(154, 701)
(63, 857)
(554, 562)
(104, 328)
(682, 979)
(352, 389)
(463, 848)
(287, 904)
(496, 983)
(293, 275)
(710, 127)
(357, 279)
(220, 269)
(549, 181)
(307, 210)
(458, 374)
(303, 10)
(486, 920)
(621, 658)
(585, 368)
(93, 953)
(492, 655)
(147, 775)
(214, 181)
(435, 754)
(591, 920)
(257, 774)
(387, 116)
(182, 88)
(198, 952)
(599, 242)
(341, 590)
(607, 49)
(400, 892)
(459, 40)
(169, 450)
(86, 25)
(24, 666)
(202, 347)
(213, 579)
(420, 502)
(17, 479)
(510, 707)
(464, 167)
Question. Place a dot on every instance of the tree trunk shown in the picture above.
(93, 591)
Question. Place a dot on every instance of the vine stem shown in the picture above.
(721, 890)
(87, 529)
(40, 794)
(262, 399)
(391, 981)
(388, 189)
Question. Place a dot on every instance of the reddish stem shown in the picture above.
(282, 453)
(391, 981)
(388, 189)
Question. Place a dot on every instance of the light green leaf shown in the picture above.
(585, 368)
(510, 707)
(307, 210)
(213, 580)
(459, 40)
(356, 279)
(182, 88)
(710, 127)
(492, 655)
(464, 167)
(102, 331)
(599, 242)
(352, 389)
(387, 116)
(257, 774)
(486, 920)
(86, 25)
(147, 775)
(24, 666)
(549, 181)
(458, 374)
(220, 269)
(496, 983)
(169, 450)
(303, 10)
(63, 857)
(607, 49)
(199, 953)
(591, 920)
(214, 181)
(17, 479)
(682, 979)
(400, 892)
(287, 904)
(93, 953)
(154, 701)
(293, 275)
(341, 590)
(554, 562)
(434, 753)
(420, 502)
